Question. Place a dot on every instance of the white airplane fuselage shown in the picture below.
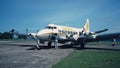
(63, 32)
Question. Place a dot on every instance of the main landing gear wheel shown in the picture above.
(49, 44)
(82, 46)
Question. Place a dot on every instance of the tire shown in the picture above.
(49, 44)
(82, 46)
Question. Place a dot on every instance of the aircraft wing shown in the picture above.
(101, 31)
(102, 37)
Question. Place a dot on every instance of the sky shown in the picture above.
(36, 14)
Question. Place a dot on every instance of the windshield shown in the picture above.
(51, 27)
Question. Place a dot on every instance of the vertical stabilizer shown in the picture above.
(86, 27)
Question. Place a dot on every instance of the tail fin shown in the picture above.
(86, 27)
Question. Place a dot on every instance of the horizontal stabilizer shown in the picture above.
(103, 37)
(101, 31)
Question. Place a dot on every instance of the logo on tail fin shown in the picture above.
(86, 27)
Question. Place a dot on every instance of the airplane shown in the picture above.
(62, 34)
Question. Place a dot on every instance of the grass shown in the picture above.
(90, 59)
(103, 43)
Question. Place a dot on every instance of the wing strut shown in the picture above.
(38, 43)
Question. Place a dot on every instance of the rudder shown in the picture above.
(86, 26)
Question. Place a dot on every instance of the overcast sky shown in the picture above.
(36, 14)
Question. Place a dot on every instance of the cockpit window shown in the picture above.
(50, 27)
(54, 27)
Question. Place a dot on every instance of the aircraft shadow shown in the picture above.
(42, 47)
(75, 47)
(52, 47)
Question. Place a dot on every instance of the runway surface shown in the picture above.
(23, 54)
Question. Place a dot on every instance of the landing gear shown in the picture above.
(71, 43)
(38, 44)
(83, 43)
(55, 44)
(82, 46)
(49, 44)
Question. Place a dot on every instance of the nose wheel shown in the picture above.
(38, 44)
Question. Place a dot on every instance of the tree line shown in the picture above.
(12, 34)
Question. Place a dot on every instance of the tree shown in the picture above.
(12, 32)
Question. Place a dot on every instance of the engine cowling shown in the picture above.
(89, 34)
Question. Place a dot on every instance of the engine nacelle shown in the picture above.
(90, 34)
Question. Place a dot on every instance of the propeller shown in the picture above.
(93, 34)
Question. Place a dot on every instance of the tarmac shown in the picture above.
(23, 54)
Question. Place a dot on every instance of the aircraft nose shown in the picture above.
(44, 32)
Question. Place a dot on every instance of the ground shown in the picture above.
(22, 54)
(93, 56)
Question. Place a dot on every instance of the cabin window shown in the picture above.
(75, 32)
(48, 27)
(63, 31)
(68, 32)
(54, 27)
(60, 31)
